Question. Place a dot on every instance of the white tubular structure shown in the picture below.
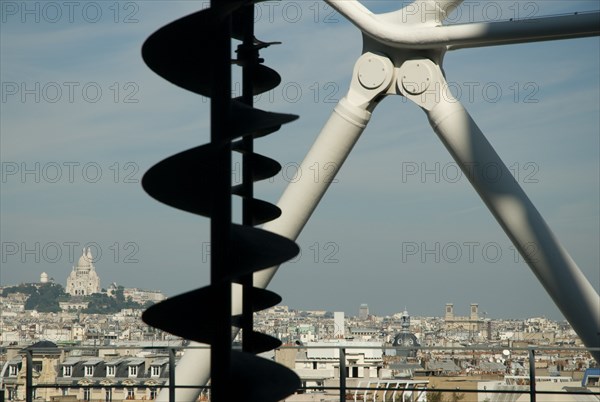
(552, 265)
(328, 153)
(403, 36)
(550, 262)
(385, 29)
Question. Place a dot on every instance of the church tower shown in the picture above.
(405, 337)
(83, 279)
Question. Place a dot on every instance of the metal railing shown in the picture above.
(345, 391)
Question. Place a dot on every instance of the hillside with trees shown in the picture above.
(43, 298)
(46, 297)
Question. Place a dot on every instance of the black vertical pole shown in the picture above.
(249, 59)
(531, 375)
(28, 376)
(220, 224)
(342, 374)
(171, 375)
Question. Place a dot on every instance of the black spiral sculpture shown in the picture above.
(194, 53)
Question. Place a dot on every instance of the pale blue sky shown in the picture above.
(544, 123)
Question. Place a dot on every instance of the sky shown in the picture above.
(82, 118)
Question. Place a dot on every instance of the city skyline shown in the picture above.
(83, 118)
(458, 312)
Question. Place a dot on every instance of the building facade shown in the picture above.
(83, 378)
(83, 279)
(463, 326)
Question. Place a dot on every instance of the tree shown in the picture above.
(22, 288)
(437, 396)
(101, 303)
(45, 298)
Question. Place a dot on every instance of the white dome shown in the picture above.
(85, 261)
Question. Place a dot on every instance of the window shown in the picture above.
(133, 370)
(67, 371)
(153, 393)
(155, 371)
(108, 393)
(86, 394)
(89, 371)
(13, 371)
(130, 393)
(110, 371)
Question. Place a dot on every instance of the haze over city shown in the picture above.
(83, 118)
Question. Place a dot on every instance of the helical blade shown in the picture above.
(264, 167)
(179, 316)
(184, 321)
(262, 342)
(265, 79)
(194, 53)
(172, 51)
(262, 211)
(256, 122)
(183, 181)
(256, 249)
(180, 53)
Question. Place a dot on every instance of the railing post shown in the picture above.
(28, 376)
(531, 375)
(171, 374)
(342, 374)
